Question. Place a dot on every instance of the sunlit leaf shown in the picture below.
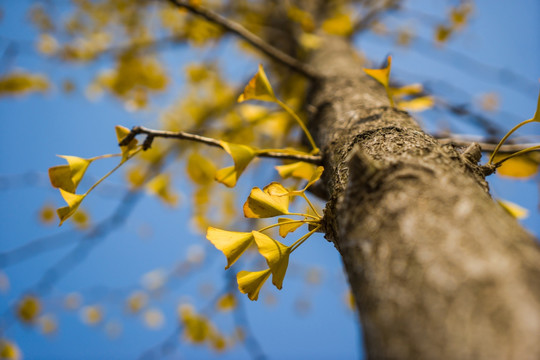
(226, 303)
(21, 83)
(197, 328)
(272, 201)
(47, 214)
(47, 44)
(9, 350)
(522, 166)
(514, 209)
(161, 187)
(300, 169)
(442, 33)
(304, 18)
(231, 243)
(258, 88)
(218, 342)
(383, 77)
(310, 41)
(127, 150)
(418, 104)
(199, 169)
(315, 177)
(251, 282)
(407, 90)
(81, 219)
(73, 201)
(340, 24)
(28, 309)
(69, 176)
(287, 227)
(276, 255)
(242, 156)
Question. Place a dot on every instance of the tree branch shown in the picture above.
(248, 36)
(181, 135)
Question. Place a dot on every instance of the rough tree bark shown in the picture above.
(438, 270)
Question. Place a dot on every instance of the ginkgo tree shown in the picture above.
(437, 268)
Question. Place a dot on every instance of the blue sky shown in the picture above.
(37, 127)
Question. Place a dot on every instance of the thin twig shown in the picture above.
(181, 135)
(486, 145)
(251, 38)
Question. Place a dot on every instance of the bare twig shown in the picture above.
(487, 146)
(181, 135)
(248, 36)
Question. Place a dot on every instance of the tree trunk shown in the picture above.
(438, 270)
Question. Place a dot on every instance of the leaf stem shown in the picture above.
(506, 137)
(310, 204)
(301, 123)
(285, 223)
(521, 152)
(300, 241)
(113, 170)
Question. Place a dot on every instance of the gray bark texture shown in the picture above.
(437, 268)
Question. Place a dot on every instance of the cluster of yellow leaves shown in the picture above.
(198, 329)
(132, 79)
(271, 201)
(457, 19)
(409, 96)
(67, 178)
(22, 82)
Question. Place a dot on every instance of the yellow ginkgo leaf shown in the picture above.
(242, 156)
(226, 303)
(9, 350)
(73, 201)
(199, 169)
(69, 176)
(218, 342)
(522, 166)
(272, 201)
(300, 169)
(197, 328)
(251, 282)
(407, 90)
(442, 33)
(231, 243)
(287, 226)
(339, 24)
(316, 176)
(28, 309)
(161, 187)
(258, 88)
(514, 209)
(383, 77)
(276, 255)
(418, 104)
(127, 150)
